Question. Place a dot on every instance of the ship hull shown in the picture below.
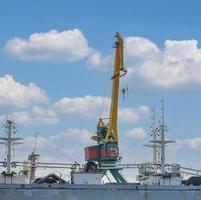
(97, 192)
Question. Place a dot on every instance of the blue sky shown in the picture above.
(162, 54)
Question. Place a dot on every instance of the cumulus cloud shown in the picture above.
(26, 103)
(34, 115)
(132, 115)
(174, 65)
(96, 106)
(87, 106)
(13, 93)
(145, 110)
(193, 143)
(128, 115)
(42, 142)
(66, 46)
(136, 133)
(178, 63)
(98, 61)
(29, 104)
(66, 145)
(141, 48)
(81, 136)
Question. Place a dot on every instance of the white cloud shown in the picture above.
(96, 106)
(129, 115)
(66, 46)
(44, 115)
(98, 61)
(141, 48)
(34, 115)
(13, 93)
(87, 106)
(132, 115)
(136, 133)
(178, 63)
(67, 145)
(193, 143)
(25, 103)
(144, 110)
(81, 136)
(30, 105)
(41, 142)
(70, 136)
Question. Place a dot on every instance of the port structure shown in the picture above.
(106, 152)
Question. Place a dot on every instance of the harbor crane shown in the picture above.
(107, 151)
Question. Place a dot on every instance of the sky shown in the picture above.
(56, 62)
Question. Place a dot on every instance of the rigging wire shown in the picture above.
(107, 84)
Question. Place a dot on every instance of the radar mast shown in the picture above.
(10, 141)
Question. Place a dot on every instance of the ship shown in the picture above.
(101, 176)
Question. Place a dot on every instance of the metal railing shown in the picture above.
(70, 166)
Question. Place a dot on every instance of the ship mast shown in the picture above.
(154, 144)
(10, 141)
(33, 157)
(162, 129)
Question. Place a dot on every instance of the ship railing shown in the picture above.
(78, 166)
(45, 165)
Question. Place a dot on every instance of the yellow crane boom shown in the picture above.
(119, 71)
